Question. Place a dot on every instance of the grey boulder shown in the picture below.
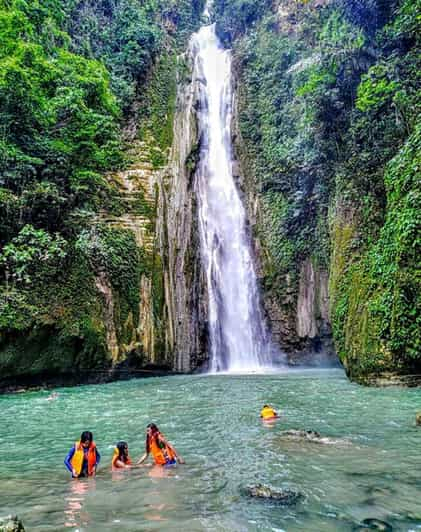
(281, 495)
(11, 524)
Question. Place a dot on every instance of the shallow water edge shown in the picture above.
(351, 452)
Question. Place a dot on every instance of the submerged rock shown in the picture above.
(373, 524)
(310, 436)
(295, 434)
(418, 419)
(281, 495)
(380, 491)
(11, 524)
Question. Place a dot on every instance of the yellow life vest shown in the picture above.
(116, 456)
(79, 456)
(268, 412)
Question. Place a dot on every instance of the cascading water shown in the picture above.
(238, 337)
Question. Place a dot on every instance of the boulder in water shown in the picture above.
(373, 524)
(295, 434)
(311, 436)
(281, 495)
(418, 419)
(11, 524)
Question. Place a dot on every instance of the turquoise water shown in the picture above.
(369, 467)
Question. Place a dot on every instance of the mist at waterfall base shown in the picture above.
(368, 467)
(239, 340)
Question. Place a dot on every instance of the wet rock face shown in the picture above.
(418, 419)
(11, 524)
(312, 302)
(281, 495)
(296, 306)
(299, 317)
(179, 243)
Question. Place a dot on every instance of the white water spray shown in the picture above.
(238, 336)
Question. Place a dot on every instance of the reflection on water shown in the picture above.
(364, 465)
(74, 515)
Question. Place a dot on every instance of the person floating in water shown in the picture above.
(83, 457)
(268, 413)
(52, 396)
(162, 451)
(121, 458)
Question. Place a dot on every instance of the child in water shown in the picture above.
(162, 451)
(121, 458)
(83, 457)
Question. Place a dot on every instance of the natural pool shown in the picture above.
(370, 469)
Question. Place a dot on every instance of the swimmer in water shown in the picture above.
(162, 451)
(268, 413)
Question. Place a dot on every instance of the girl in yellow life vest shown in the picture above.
(121, 458)
(162, 451)
(268, 412)
(83, 458)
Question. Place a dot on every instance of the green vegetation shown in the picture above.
(329, 107)
(329, 138)
(76, 78)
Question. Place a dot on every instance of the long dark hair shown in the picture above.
(155, 432)
(123, 451)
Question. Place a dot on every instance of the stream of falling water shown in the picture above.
(238, 336)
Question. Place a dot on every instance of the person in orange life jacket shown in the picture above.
(162, 451)
(83, 457)
(121, 458)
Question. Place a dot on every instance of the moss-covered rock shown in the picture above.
(81, 279)
(11, 524)
(328, 140)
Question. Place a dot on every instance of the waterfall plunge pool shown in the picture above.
(368, 468)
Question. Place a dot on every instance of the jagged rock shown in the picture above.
(11, 524)
(418, 419)
(281, 495)
(310, 436)
(301, 434)
(373, 524)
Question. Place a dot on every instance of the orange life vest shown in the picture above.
(79, 456)
(116, 457)
(161, 456)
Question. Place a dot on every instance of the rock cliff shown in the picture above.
(326, 135)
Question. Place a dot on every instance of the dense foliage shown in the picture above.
(329, 109)
(77, 78)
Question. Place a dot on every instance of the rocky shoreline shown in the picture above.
(382, 380)
(48, 381)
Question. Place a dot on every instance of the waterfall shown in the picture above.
(238, 336)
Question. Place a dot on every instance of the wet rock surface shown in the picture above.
(281, 495)
(373, 524)
(184, 281)
(297, 434)
(310, 436)
(11, 524)
(418, 419)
